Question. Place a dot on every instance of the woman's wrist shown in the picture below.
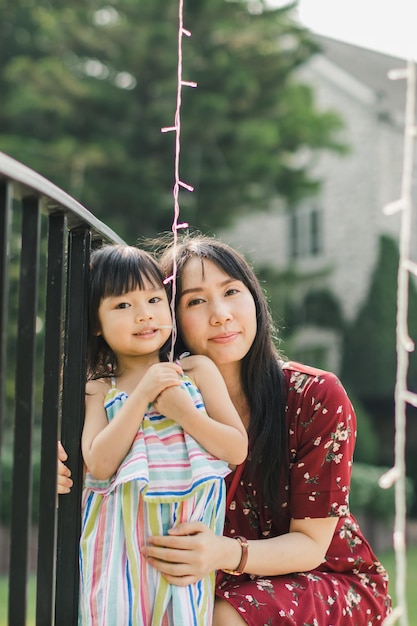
(243, 544)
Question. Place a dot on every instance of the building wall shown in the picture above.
(355, 188)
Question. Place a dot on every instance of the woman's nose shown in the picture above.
(220, 314)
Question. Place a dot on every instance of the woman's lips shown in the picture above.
(224, 337)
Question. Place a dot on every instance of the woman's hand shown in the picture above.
(64, 481)
(187, 554)
(191, 551)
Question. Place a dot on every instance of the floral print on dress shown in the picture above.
(350, 587)
(332, 447)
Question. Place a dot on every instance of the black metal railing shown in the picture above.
(55, 235)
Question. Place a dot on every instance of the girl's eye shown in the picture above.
(122, 305)
(155, 299)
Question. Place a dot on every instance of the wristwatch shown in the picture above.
(244, 544)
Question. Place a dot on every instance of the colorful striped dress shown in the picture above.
(167, 478)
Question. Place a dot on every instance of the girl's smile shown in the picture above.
(136, 322)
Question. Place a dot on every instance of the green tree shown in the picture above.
(86, 88)
(369, 356)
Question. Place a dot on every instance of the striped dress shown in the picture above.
(167, 478)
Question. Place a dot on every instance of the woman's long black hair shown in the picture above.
(262, 377)
(114, 270)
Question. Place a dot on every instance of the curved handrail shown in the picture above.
(29, 182)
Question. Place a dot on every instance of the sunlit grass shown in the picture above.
(31, 600)
(388, 560)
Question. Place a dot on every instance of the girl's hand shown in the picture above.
(159, 376)
(175, 403)
(64, 482)
(187, 554)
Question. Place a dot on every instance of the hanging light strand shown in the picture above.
(405, 345)
(178, 183)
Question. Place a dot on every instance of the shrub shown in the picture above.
(367, 497)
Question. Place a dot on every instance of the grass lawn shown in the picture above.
(387, 559)
(4, 590)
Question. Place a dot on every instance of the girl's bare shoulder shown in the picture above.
(98, 386)
(197, 363)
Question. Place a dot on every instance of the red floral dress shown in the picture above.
(350, 587)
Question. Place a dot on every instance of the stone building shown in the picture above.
(331, 240)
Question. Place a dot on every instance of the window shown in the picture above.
(317, 356)
(305, 232)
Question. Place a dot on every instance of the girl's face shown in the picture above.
(137, 322)
(216, 313)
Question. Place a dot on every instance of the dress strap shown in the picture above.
(113, 382)
(233, 486)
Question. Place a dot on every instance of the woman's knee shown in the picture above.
(226, 615)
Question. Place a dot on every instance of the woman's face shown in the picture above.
(216, 313)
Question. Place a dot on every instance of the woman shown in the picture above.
(291, 553)
(291, 500)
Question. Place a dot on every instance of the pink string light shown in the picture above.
(176, 225)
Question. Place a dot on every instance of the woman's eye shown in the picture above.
(232, 292)
(195, 301)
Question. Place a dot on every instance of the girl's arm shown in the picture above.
(220, 431)
(191, 551)
(105, 444)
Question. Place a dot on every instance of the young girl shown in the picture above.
(145, 470)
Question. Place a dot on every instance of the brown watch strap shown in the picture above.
(243, 559)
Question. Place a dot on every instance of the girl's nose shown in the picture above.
(143, 315)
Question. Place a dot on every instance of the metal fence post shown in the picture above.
(69, 515)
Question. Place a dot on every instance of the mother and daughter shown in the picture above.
(156, 455)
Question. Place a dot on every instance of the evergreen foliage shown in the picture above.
(318, 308)
(86, 88)
(367, 497)
(369, 355)
(367, 446)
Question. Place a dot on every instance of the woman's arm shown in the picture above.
(191, 551)
(220, 430)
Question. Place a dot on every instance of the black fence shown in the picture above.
(48, 236)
